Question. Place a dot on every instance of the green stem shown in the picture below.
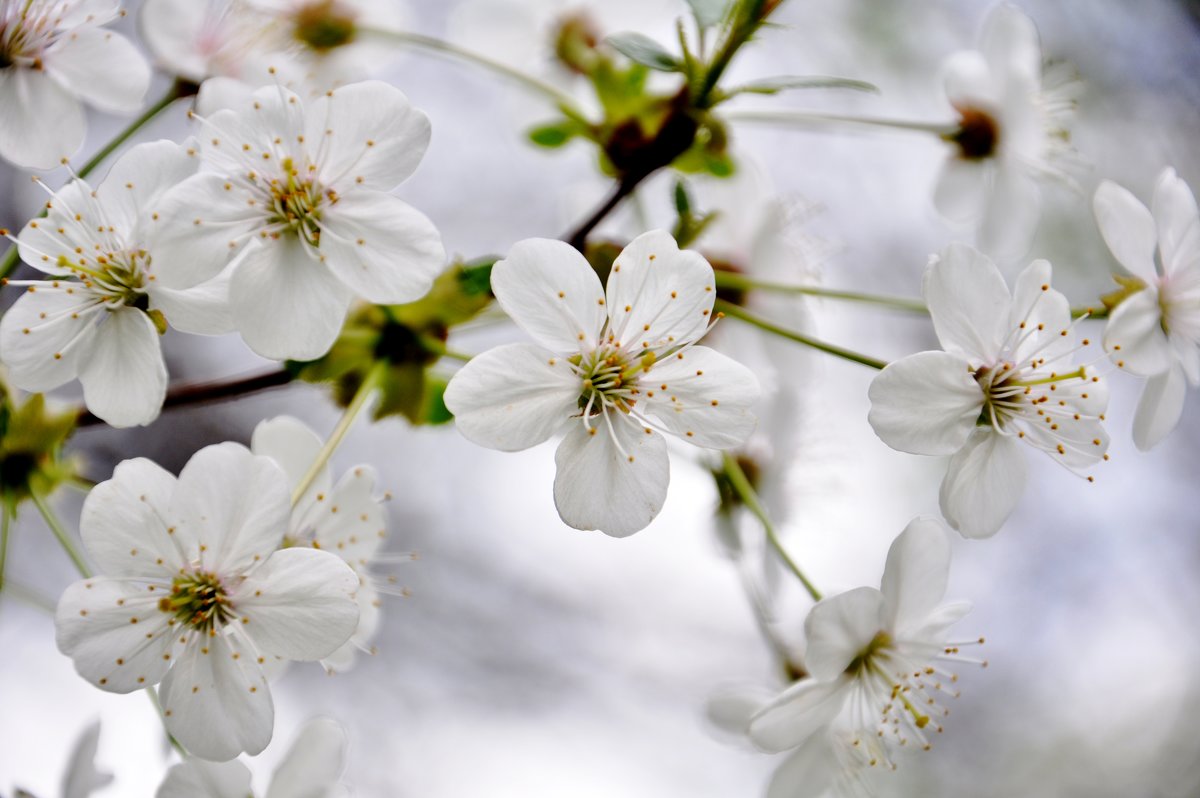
(364, 392)
(819, 121)
(64, 539)
(738, 312)
(743, 283)
(5, 521)
(178, 746)
(1092, 313)
(741, 484)
(565, 101)
(174, 93)
(439, 348)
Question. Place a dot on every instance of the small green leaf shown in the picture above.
(642, 49)
(709, 12)
(554, 135)
(786, 82)
(683, 203)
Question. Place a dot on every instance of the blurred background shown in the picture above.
(533, 659)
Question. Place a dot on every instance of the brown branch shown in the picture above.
(202, 392)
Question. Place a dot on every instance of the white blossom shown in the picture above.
(1013, 133)
(1155, 332)
(310, 769)
(196, 594)
(343, 518)
(878, 674)
(54, 56)
(98, 314)
(295, 198)
(1006, 376)
(608, 369)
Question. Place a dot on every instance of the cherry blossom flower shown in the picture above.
(54, 54)
(295, 197)
(876, 659)
(1155, 332)
(1013, 133)
(197, 595)
(344, 519)
(99, 313)
(1006, 376)
(611, 370)
(310, 769)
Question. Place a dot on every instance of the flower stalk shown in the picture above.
(742, 283)
(730, 309)
(60, 532)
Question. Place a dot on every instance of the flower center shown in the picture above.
(296, 203)
(26, 29)
(324, 25)
(198, 601)
(978, 134)
(609, 379)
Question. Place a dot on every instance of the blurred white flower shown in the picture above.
(54, 55)
(1155, 332)
(1006, 375)
(99, 314)
(310, 769)
(296, 199)
(81, 778)
(197, 595)
(875, 658)
(621, 364)
(344, 519)
(1013, 133)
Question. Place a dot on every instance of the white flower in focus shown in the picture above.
(1155, 332)
(876, 659)
(344, 519)
(295, 197)
(99, 313)
(1006, 376)
(1013, 133)
(310, 769)
(54, 55)
(609, 369)
(197, 595)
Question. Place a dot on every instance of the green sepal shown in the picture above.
(641, 49)
(1130, 285)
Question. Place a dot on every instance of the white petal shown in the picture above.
(1127, 228)
(968, 81)
(286, 304)
(382, 248)
(294, 448)
(215, 700)
(513, 397)
(983, 484)
(68, 236)
(222, 94)
(369, 130)
(344, 657)
(1012, 208)
(960, 189)
(1178, 223)
(123, 524)
(234, 505)
(968, 302)
(615, 490)
(350, 522)
(731, 707)
(198, 227)
(703, 397)
(81, 778)
(659, 296)
(925, 403)
(1042, 314)
(802, 710)
(137, 179)
(551, 292)
(46, 334)
(1134, 336)
(42, 122)
(914, 579)
(101, 66)
(299, 604)
(201, 310)
(1159, 409)
(840, 628)
(1009, 42)
(94, 626)
(196, 778)
(806, 773)
(313, 763)
(125, 378)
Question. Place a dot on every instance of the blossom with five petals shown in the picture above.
(1006, 376)
(54, 55)
(296, 199)
(875, 659)
(197, 595)
(1012, 133)
(1155, 332)
(609, 369)
(99, 313)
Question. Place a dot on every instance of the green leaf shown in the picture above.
(709, 12)
(683, 203)
(642, 49)
(786, 82)
(554, 135)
